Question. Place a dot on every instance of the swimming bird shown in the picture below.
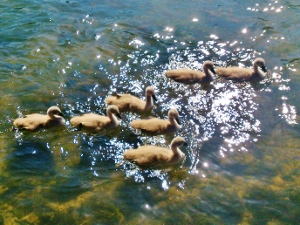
(244, 74)
(155, 126)
(188, 76)
(34, 121)
(97, 122)
(154, 156)
(127, 102)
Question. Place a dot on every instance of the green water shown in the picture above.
(242, 163)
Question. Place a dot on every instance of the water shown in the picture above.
(242, 163)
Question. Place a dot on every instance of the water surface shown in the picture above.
(242, 163)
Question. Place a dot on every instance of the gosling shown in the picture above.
(127, 102)
(155, 126)
(244, 74)
(188, 76)
(154, 156)
(35, 121)
(98, 122)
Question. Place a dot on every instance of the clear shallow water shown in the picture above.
(242, 162)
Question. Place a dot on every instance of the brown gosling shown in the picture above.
(97, 122)
(35, 121)
(154, 156)
(188, 76)
(127, 102)
(155, 126)
(244, 74)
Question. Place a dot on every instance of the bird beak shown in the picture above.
(264, 69)
(177, 120)
(213, 70)
(185, 144)
(119, 116)
(154, 98)
(60, 114)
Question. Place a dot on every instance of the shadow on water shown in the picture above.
(31, 156)
(100, 151)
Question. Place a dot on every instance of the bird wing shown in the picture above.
(90, 121)
(148, 155)
(31, 122)
(236, 73)
(154, 125)
(187, 76)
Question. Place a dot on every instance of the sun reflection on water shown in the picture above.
(225, 109)
(270, 7)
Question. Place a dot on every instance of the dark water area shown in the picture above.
(242, 160)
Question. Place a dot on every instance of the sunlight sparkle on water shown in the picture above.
(97, 36)
(289, 113)
(96, 174)
(137, 43)
(169, 29)
(269, 8)
(181, 184)
(165, 185)
(229, 107)
(213, 36)
(147, 206)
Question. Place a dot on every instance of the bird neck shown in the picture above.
(174, 123)
(258, 72)
(208, 74)
(54, 117)
(149, 102)
(58, 119)
(114, 120)
(175, 149)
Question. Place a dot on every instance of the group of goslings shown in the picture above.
(188, 76)
(149, 156)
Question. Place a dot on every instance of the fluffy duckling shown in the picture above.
(155, 126)
(97, 122)
(244, 74)
(188, 76)
(127, 102)
(34, 121)
(154, 156)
